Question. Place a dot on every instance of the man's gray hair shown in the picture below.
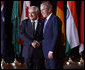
(36, 9)
(48, 5)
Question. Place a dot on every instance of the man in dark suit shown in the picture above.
(31, 31)
(50, 35)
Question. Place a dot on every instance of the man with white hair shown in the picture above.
(31, 33)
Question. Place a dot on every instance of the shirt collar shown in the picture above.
(35, 20)
(49, 16)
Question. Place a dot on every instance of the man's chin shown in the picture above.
(44, 16)
(32, 19)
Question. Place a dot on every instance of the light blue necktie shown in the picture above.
(44, 25)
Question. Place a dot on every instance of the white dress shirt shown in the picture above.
(36, 23)
(48, 18)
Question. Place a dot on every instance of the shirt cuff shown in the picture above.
(51, 52)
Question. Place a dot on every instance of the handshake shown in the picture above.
(35, 44)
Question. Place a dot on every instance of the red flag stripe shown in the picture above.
(82, 23)
(60, 5)
(72, 6)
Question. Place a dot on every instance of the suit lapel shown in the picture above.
(29, 26)
(48, 22)
(38, 25)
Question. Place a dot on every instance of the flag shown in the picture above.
(72, 39)
(15, 19)
(20, 13)
(81, 48)
(60, 14)
(2, 27)
(26, 5)
(20, 8)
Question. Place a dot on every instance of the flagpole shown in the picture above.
(70, 61)
(15, 60)
(81, 59)
(2, 62)
(15, 36)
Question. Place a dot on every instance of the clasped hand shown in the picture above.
(35, 44)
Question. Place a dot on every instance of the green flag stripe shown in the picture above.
(15, 12)
(67, 52)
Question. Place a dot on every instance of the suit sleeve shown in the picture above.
(41, 32)
(23, 35)
(55, 35)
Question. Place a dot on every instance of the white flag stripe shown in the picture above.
(25, 4)
(71, 31)
(81, 48)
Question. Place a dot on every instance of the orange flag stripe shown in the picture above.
(60, 14)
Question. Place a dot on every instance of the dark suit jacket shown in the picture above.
(50, 36)
(26, 34)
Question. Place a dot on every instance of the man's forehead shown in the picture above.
(43, 6)
(32, 9)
